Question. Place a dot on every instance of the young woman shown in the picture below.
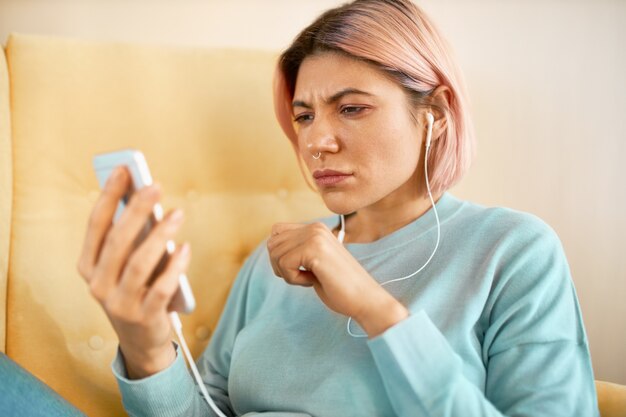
(411, 303)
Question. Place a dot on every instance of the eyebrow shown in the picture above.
(334, 98)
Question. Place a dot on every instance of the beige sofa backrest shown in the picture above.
(204, 119)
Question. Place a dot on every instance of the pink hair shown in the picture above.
(397, 37)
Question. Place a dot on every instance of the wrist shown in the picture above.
(386, 312)
(142, 364)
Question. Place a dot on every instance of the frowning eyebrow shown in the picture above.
(334, 98)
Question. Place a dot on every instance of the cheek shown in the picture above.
(392, 152)
(303, 152)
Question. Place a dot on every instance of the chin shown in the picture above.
(340, 203)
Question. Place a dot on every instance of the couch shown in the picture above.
(204, 119)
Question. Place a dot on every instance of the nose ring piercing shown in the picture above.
(317, 155)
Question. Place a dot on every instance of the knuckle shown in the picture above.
(83, 268)
(318, 240)
(275, 268)
(114, 238)
(166, 229)
(95, 220)
(115, 185)
(314, 263)
(136, 268)
(97, 291)
(141, 203)
(147, 196)
(282, 263)
(319, 227)
(112, 307)
(111, 190)
(160, 293)
(137, 207)
(110, 193)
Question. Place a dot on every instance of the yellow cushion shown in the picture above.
(6, 188)
(204, 119)
(611, 399)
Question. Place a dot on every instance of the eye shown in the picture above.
(352, 110)
(303, 118)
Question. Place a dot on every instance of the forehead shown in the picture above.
(323, 74)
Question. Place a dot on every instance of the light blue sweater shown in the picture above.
(495, 329)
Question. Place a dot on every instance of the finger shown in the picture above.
(287, 231)
(120, 240)
(277, 246)
(278, 253)
(310, 235)
(160, 294)
(147, 256)
(292, 235)
(289, 266)
(303, 279)
(100, 220)
(278, 228)
(275, 267)
(315, 233)
(274, 256)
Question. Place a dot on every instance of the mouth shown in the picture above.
(330, 177)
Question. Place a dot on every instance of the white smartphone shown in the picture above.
(137, 166)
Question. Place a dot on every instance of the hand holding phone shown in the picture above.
(136, 164)
(132, 267)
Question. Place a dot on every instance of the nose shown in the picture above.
(321, 137)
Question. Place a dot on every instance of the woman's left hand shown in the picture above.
(339, 280)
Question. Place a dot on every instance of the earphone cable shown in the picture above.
(432, 202)
(178, 329)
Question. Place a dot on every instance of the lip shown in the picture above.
(329, 177)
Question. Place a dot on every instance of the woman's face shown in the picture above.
(361, 122)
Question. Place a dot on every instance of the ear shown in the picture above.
(439, 106)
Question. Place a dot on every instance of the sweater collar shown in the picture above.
(447, 206)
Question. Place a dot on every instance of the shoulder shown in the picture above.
(503, 226)
(519, 251)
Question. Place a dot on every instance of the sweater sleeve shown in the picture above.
(172, 392)
(534, 348)
(169, 393)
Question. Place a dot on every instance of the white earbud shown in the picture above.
(342, 232)
(429, 133)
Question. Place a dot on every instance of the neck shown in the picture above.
(375, 222)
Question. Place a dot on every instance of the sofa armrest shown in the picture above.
(611, 399)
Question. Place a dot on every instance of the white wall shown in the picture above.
(546, 79)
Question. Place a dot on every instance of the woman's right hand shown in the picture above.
(118, 272)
